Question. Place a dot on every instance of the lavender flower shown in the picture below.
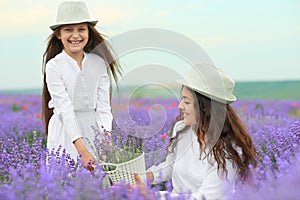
(30, 171)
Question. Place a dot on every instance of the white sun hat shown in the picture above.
(72, 12)
(211, 82)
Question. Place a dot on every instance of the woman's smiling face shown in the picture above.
(187, 106)
(74, 37)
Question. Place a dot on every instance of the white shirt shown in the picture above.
(62, 74)
(189, 174)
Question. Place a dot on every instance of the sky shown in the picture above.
(249, 40)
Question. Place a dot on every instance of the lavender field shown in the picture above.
(29, 171)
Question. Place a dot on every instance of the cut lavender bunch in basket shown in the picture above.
(120, 155)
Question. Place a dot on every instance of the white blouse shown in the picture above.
(62, 74)
(190, 174)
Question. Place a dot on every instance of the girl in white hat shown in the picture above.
(210, 148)
(78, 64)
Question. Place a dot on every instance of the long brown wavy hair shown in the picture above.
(220, 129)
(96, 44)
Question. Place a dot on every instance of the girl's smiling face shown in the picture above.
(187, 106)
(74, 37)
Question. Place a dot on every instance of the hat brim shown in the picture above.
(54, 26)
(226, 100)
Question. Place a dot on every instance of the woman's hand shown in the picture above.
(87, 159)
(131, 189)
(142, 187)
(149, 176)
(140, 184)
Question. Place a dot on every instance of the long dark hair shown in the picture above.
(223, 146)
(96, 44)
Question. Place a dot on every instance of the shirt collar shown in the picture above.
(70, 59)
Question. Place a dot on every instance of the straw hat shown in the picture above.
(72, 12)
(210, 82)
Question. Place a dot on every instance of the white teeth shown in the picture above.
(75, 42)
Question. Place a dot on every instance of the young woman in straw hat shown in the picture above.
(78, 64)
(210, 148)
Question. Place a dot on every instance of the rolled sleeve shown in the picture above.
(103, 108)
(163, 172)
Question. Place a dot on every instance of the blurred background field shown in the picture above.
(244, 90)
(270, 110)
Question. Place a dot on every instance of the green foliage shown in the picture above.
(3, 178)
(263, 149)
(294, 113)
(15, 108)
(259, 106)
(31, 137)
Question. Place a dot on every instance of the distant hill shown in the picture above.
(268, 90)
(243, 90)
(35, 91)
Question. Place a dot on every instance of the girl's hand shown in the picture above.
(86, 158)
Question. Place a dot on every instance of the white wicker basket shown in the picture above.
(124, 171)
